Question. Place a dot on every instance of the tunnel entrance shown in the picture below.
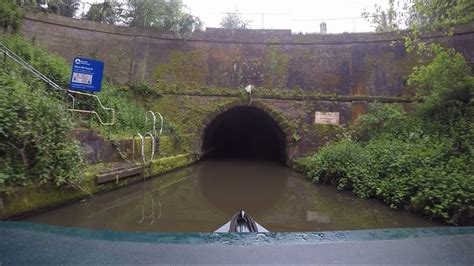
(245, 133)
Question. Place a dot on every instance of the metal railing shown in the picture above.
(152, 217)
(153, 115)
(73, 109)
(142, 143)
(17, 59)
(152, 135)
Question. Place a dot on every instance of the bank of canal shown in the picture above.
(203, 196)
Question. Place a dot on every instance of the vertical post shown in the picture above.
(90, 102)
(323, 28)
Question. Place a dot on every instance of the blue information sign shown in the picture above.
(86, 74)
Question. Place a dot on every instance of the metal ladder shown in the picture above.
(142, 142)
(152, 217)
(17, 59)
(153, 115)
(152, 135)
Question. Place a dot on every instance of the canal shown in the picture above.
(203, 196)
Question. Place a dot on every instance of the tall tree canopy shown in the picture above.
(234, 21)
(106, 12)
(384, 20)
(10, 14)
(435, 14)
(167, 15)
(420, 14)
(66, 8)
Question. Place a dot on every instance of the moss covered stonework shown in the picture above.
(188, 67)
(190, 111)
(364, 63)
(295, 75)
(38, 198)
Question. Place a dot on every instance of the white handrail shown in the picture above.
(152, 145)
(112, 110)
(154, 121)
(142, 143)
(153, 115)
(17, 59)
(161, 123)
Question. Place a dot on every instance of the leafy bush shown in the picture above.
(130, 116)
(417, 174)
(343, 164)
(52, 66)
(380, 118)
(421, 161)
(10, 14)
(445, 80)
(34, 123)
(34, 145)
(144, 89)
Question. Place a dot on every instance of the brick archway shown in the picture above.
(274, 115)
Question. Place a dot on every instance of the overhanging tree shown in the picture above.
(66, 8)
(10, 14)
(107, 12)
(166, 15)
(385, 20)
(420, 15)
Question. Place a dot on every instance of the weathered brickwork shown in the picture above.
(343, 64)
(313, 72)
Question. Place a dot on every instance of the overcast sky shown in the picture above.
(297, 15)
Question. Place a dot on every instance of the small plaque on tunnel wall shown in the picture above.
(327, 118)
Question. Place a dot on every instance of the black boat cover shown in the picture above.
(242, 218)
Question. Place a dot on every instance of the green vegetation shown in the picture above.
(276, 66)
(162, 15)
(432, 15)
(182, 67)
(34, 121)
(10, 14)
(54, 67)
(33, 198)
(384, 20)
(420, 161)
(144, 89)
(420, 15)
(36, 152)
(234, 21)
(130, 115)
(67, 8)
(34, 145)
(106, 12)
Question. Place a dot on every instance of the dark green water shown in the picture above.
(202, 197)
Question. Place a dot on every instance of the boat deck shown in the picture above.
(34, 244)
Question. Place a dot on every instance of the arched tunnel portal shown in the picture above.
(245, 133)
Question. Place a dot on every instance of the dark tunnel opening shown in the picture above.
(245, 133)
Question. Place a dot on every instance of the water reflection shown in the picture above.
(231, 186)
(148, 203)
(203, 197)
